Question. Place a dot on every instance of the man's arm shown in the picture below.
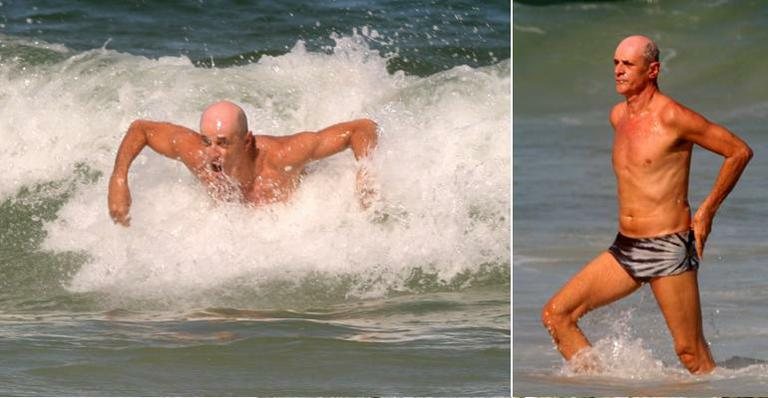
(359, 135)
(164, 138)
(713, 137)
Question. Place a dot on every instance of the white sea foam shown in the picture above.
(621, 355)
(442, 164)
(622, 359)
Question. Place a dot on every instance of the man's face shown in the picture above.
(222, 144)
(631, 71)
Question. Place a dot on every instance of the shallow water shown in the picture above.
(564, 190)
(388, 346)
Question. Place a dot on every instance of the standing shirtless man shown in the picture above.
(236, 165)
(658, 241)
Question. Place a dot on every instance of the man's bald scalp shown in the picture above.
(650, 49)
(224, 115)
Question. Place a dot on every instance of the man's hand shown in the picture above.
(702, 225)
(366, 191)
(119, 198)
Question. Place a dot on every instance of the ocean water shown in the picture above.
(309, 297)
(564, 202)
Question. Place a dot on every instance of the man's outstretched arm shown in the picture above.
(736, 154)
(163, 138)
(361, 136)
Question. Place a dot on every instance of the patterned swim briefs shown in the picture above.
(645, 258)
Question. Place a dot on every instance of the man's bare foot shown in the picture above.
(585, 362)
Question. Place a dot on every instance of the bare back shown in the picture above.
(652, 163)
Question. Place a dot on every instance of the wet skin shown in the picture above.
(235, 165)
(653, 141)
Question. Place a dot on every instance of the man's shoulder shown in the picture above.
(279, 142)
(681, 119)
(672, 112)
(617, 111)
(286, 149)
(268, 144)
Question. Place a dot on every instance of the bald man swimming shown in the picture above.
(658, 241)
(234, 164)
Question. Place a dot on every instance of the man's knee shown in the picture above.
(555, 316)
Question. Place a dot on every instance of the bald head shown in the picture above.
(642, 45)
(223, 118)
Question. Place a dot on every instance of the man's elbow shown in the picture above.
(745, 154)
(370, 122)
(741, 156)
(136, 136)
(364, 138)
(369, 126)
(137, 124)
(137, 127)
(368, 130)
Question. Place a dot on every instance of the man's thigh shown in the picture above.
(678, 298)
(600, 282)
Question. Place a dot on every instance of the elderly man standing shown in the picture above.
(658, 241)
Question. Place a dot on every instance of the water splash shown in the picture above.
(619, 355)
(442, 165)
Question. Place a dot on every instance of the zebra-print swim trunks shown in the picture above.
(645, 258)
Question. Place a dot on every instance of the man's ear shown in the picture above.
(654, 69)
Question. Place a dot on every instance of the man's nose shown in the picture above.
(214, 150)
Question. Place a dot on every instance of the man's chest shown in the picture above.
(644, 143)
(273, 185)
